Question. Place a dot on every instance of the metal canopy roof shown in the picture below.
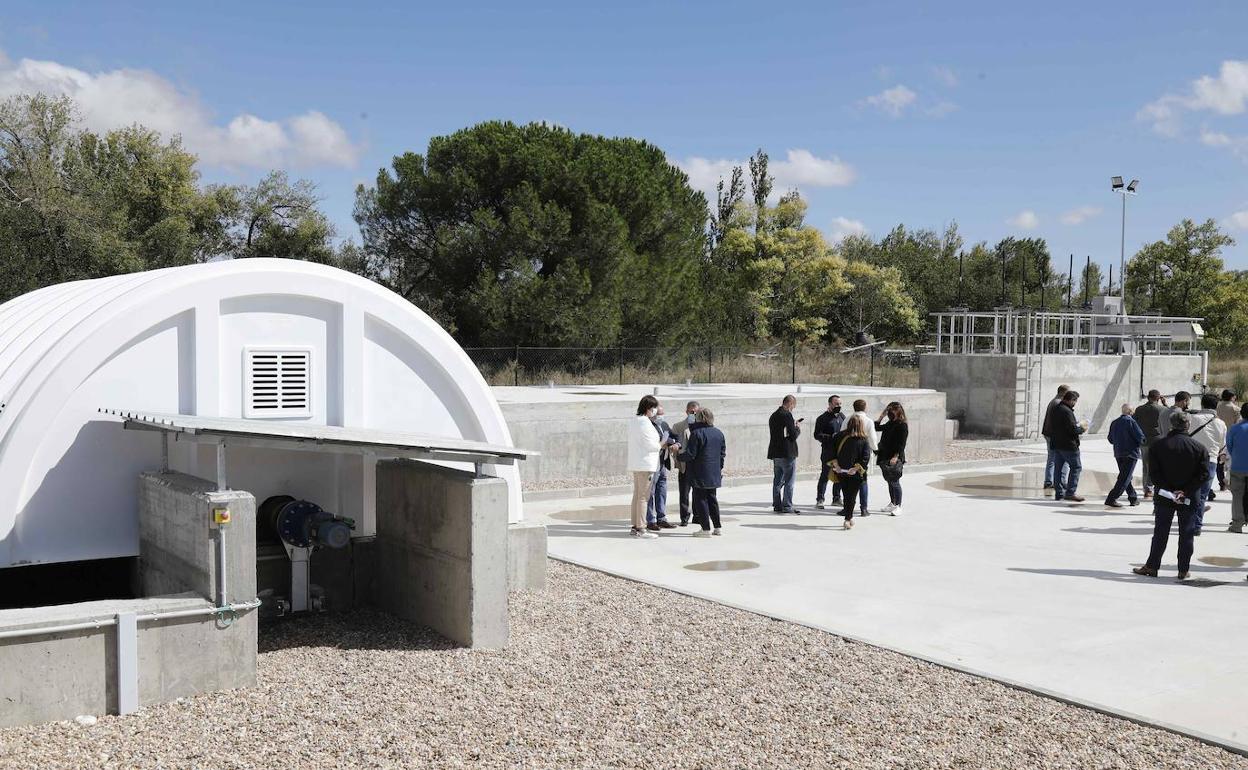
(333, 438)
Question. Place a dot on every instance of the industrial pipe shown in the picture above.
(106, 622)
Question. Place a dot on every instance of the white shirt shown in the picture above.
(643, 445)
(869, 425)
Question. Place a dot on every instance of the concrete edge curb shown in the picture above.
(1234, 748)
(546, 495)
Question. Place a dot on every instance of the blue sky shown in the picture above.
(1009, 121)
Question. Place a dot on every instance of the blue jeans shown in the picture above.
(656, 506)
(1065, 485)
(1049, 462)
(785, 474)
(1126, 467)
(862, 494)
(1202, 497)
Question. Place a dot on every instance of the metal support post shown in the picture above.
(221, 485)
(127, 662)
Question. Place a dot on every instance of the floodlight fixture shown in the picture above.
(1115, 184)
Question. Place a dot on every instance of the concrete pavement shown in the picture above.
(983, 573)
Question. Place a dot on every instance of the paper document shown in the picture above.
(1170, 496)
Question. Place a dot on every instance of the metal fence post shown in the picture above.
(517, 377)
(621, 363)
(873, 366)
(793, 376)
(710, 357)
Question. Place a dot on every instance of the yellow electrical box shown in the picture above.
(220, 516)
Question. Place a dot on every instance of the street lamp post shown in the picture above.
(1115, 184)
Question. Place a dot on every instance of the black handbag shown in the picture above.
(892, 472)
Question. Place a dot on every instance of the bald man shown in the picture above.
(1126, 436)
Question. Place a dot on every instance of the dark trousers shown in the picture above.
(825, 475)
(862, 491)
(706, 507)
(849, 489)
(1126, 467)
(1066, 473)
(894, 491)
(1146, 467)
(1222, 485)
(1163, 515)
(682, 481)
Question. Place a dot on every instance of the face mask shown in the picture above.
(652, 413)
(836, 410)
(693, 418)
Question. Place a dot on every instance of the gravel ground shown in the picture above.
(960, 451)
(602, 672)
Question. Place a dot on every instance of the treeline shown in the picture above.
(532, 234)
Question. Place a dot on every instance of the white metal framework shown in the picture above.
(1021, 331)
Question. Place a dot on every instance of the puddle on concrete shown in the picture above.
(1203, 583)
(723, 565)
(1024, 483)
(1222, 561)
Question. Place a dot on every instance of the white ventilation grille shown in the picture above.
(278, 382)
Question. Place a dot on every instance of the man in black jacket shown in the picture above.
(1180, 468)
(1046, 430)
(827, 426)
(1064, 430)
(1151, 417)
(782, 451)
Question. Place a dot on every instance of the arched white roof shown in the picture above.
(171, 340)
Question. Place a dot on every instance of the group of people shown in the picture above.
(1182, 450)
(696, 450)
(846, 444)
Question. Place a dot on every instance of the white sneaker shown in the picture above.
(702, 533)
(644, 534)
(819, 505)
(896, 511)
(888, 508)
(717, 531)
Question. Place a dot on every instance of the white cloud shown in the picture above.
(941, 109)
(843, 227)
(1080, 215)
(799, 169)
(1024, 220)
(893, 101)
(1238, 220)
(1223, 94)
(946, 76)
(1214, 138)
(124, 97)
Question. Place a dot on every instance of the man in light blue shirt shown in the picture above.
(1237, 450)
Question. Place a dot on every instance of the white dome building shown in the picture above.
(258, 339)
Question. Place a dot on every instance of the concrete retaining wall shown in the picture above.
(62, 675)
(587, 439)
(442, 550)
(985, 394)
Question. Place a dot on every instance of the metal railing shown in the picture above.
(1023, 331)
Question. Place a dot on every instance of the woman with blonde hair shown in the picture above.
(853, 454)
(644, 446)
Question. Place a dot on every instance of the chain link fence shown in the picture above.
(775, 364)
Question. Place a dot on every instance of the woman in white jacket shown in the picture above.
(643, 460)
